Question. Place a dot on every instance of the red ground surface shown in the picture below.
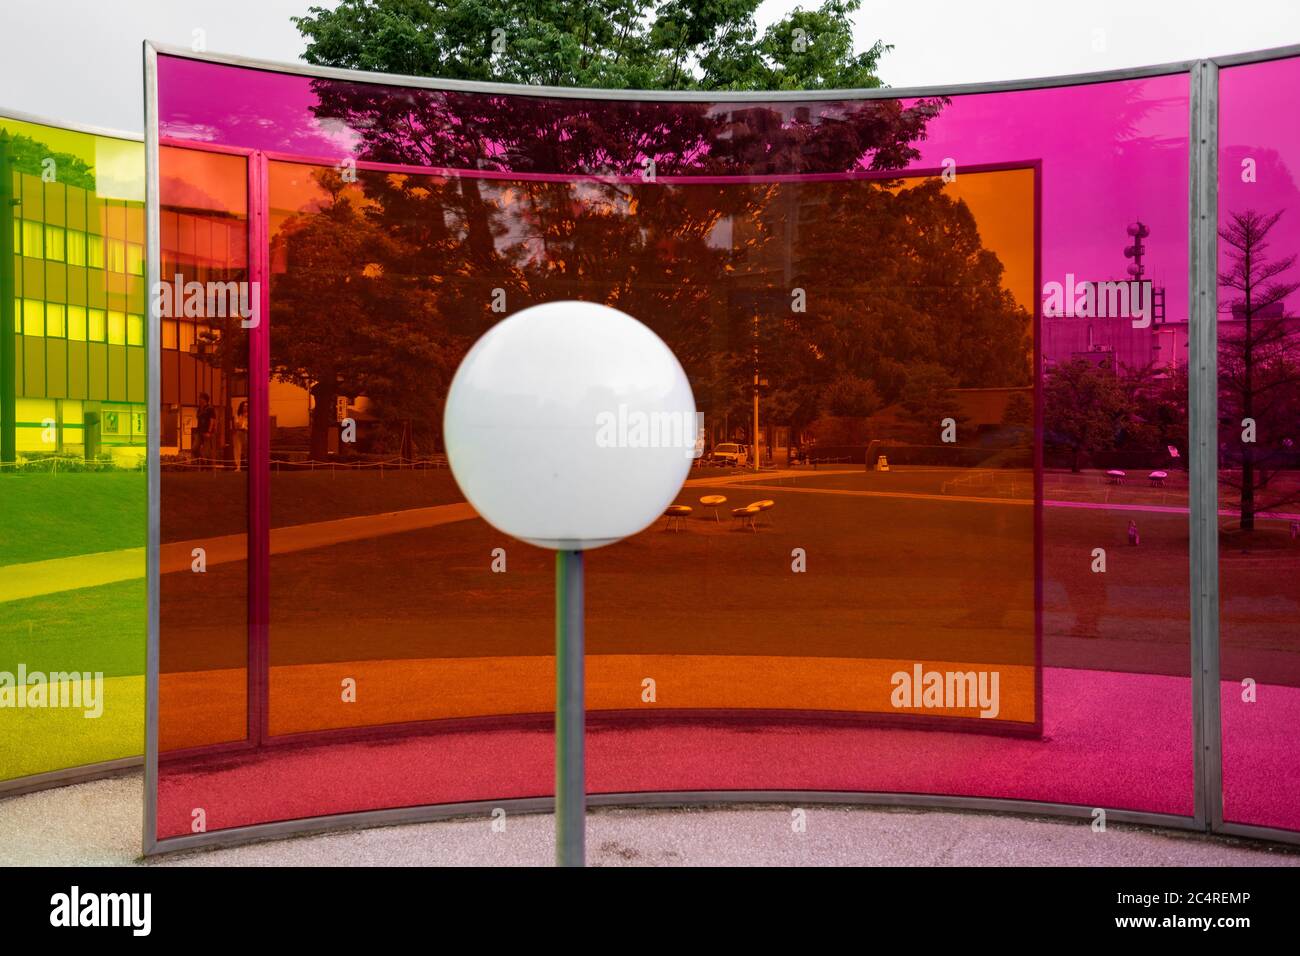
(897, 569)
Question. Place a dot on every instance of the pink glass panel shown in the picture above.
(401, 596)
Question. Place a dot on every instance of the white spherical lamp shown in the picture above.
(570, 425)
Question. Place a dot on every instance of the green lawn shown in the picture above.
(54, 516)
(99, 629)
(90, 629)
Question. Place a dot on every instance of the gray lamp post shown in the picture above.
(570, 426)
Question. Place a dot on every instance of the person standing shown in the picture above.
(205, 425)
(239, 433)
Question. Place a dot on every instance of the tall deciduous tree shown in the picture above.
(925, 292)
(1086, 409)
(617, 44)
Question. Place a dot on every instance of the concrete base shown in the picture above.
(98, 823)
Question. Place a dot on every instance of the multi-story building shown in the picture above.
(77, 285)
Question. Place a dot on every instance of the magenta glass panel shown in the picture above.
(958, 258)
(1259, 443)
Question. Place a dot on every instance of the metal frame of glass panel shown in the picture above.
(1203, 404)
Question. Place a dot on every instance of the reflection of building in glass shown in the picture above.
(1114, 341)
(201, 246)
(1104, 332)
(78, 293)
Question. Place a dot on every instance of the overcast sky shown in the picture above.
(79, 60)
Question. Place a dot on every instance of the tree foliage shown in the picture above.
(709, 265)
(29, 155)
(1259, 373)
(612, 44)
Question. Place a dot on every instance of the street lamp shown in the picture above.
(570, 426)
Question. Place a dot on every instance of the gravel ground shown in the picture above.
(98, 823)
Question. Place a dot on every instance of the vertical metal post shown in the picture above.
(8, 343)
(259, 451)
(153, 426)
(754, 449)
(1203, 442)
(570, 712)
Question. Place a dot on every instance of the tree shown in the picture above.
(1085, 409)
(617, 44)
(1259, 365)
(1157, 397)
(1019, 412)
(927, 400)
(850, 397)
(925, 296)
(377, 337)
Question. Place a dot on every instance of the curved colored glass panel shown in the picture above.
(1259, 444)
(73, 428)
(970, 575)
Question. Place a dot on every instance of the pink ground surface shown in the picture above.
(1113, 740)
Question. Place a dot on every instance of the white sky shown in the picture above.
(79, 60)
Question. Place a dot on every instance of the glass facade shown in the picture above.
(940, 342)
(73, 429)
(1259, 444)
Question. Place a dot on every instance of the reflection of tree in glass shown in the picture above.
(345, 321)
(28, 155)
(1089, 409)
(904, 297)
(1085, 410)
(1259, 368)
(708, 266)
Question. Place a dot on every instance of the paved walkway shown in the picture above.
(35, 578)
(99, 824)
(109, 567)
(91, 570)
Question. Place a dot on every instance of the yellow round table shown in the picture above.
(713, 501)
(677, 513)
(746, 516)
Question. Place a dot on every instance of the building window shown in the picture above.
(135, 258)
(95, 251)
(36, 428)
(77, 321)
(116, 255)
(54, 242)
(33, 239)
(76, 248)
(169, 334)
(54, 320)
(135, 330)
(116, 328)
(98, 325)
(33, 317)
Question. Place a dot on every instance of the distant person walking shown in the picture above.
(239, 433)
(204, 427)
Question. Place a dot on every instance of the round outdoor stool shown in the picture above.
(765, 505)
(678, 514)
(1157, 478)
(1116, 477)
(712, 501)
(746, 516)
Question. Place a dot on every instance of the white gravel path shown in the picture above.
(99, 824)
